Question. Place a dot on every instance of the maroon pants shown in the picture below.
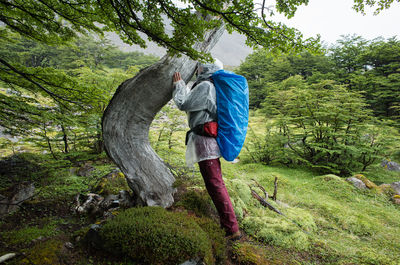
(211, 172)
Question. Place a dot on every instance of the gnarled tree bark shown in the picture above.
(128, 117)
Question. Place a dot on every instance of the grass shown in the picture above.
(350, 222)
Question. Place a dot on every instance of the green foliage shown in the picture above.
(59, 106)
(325, 126)
(153, 235)
(264, 70)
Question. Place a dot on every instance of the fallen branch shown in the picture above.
(263, 201)
(275, 188)
(262, 189)
(6, 257)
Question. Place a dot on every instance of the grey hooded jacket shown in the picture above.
(200, 105)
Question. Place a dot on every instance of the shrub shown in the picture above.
(153, 235)
(326, 126)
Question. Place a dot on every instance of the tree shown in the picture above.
(56, 21)
(263, 70)
(326, 126)
(372, 67)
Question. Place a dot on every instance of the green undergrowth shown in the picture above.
(152, 235)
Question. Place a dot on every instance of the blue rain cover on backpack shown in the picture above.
(232, 112)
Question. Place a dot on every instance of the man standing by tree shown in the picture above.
(200, 104)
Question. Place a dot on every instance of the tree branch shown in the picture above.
(25, 76)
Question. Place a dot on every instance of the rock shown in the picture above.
(396, 187)
(357, 183)
(16, 195)
(390, 165)
(196, 261)
(385, 188)
(367, 182)
(93, 238)
(85, 170)
(69, 245)
(90, 204)
(396, 199)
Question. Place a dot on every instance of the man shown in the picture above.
(200, 105)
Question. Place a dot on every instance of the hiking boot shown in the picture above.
(235, 236)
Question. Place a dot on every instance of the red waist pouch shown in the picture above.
(211, 129)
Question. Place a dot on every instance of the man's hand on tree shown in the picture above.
(176, 77)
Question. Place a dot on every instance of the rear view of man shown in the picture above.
(202, 148)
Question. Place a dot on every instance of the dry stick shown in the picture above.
(275, 189)
(262, 188)
(264, 202)
(272, 208)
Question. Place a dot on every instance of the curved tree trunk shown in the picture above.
(127, 119)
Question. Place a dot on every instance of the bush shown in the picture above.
(326, 126)
(153, 235)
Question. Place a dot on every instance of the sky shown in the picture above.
(333, 18)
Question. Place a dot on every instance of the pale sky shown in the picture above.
(333, 18)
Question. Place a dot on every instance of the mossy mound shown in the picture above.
(197, 201)
(247, 254)
(152, 235)
(279, 231)
(240, 197)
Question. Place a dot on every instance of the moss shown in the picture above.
(385, 189)
(111, 184)
(153, 235)
(370, 256)
(28, 233)
(44, 253)
(247, 254)
(280, 231)
(241, 198)
(197, 201)
(217, 236)
(367, 182)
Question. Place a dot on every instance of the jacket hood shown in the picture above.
(208, 70)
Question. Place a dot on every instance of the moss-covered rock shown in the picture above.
(111, 183)
(153, 235)
(367, 182)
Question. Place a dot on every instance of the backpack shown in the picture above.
(232, 94)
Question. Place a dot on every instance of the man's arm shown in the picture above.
(194, 100)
